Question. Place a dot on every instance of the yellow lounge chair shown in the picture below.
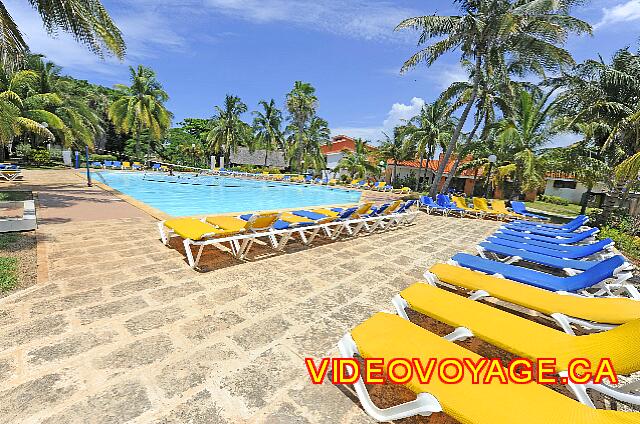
(480, 204)
(332, 181)
(388, 336)
(126, 165)
(197, 233)
(462, 204)
(528, 339)
(256, 224)
(501, 207)
(591, 313)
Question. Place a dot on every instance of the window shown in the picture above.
(571, 184)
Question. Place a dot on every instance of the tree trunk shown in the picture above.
(419, 172)
(2, 157)
(266, 156)
(138, 140)
(454, 169)
(458, 130)
(394, 177)
(585, 201)
(611, 201)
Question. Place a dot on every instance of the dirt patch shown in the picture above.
(18, 255)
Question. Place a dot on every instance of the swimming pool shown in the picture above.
(188, 195)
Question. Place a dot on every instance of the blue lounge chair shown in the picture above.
(156, 166)
(510, 255)
(572, 225)
(445, 201)
(108, 164)
(600, 248)
(308, 179)
(116, 164)
(520, 208)
(96, 164)
(566, 238)
(595, 278)
(427, 203)
(535, 230)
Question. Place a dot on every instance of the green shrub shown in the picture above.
(630, 245)
(554, 199)
(101, 158)
(39, 156)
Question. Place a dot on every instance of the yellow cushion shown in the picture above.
(230, 223)
(289, 217)
(526, 338)
(262, 221)
(362, 209)
(500, 206)
(389, 336)
(461, 203)
(607, 310)
(328, 212)
(194, 229)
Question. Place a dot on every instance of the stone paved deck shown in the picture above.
(125, 331)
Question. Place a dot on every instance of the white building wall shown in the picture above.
(573, 195)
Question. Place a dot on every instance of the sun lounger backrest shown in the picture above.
(363, 209)
(260, 222)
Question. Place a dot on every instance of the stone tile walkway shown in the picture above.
(125, 331)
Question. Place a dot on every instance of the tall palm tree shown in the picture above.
(423, 133)
(267, 125)
(86, 20)
(302, 104)
(228, 130)
(357, 162)
(141, 107)
(487, 31)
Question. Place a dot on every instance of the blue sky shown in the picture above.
(204, 49)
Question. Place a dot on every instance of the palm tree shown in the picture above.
(22, 110)
(267, 126)
(301, 104)
(317, 135)
(393, 148)
(141, 107)
(228, 131)
(86, 20)
(357, 163)
(423, 133)
(529, 32)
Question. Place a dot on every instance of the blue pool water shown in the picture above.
(189, 195)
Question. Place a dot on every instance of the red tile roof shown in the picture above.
(433, 165)
(340, 143)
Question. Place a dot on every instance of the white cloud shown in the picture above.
(624, 12)
(354, 18)
(145, 32)
(397, 115)
(562, 140)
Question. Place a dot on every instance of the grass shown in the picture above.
(8, 273)
(628, 244)
(7, 239)
(15, 196)
(569, 210)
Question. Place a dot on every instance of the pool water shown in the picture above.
(185, 195)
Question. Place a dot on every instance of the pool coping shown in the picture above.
(163, 216)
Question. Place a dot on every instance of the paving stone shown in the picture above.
(263, 333)
(257, 383)
(118, 307)
(200, 409)
(32, 330)
(7, 368)
(136, 354)
(45, 291)
(153, 319)
(7, 316)
(204, 327)
(72, 345)
(130, 287)
(222, 296)
(64, 303)
(18, 403)
(168, 294)
(179, 377)
(327, 403)
(117, 404)
(286, 414)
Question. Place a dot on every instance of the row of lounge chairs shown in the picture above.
(240, 232)
(10, 171)
(590, 298)
(456, 205)
(116, 164)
